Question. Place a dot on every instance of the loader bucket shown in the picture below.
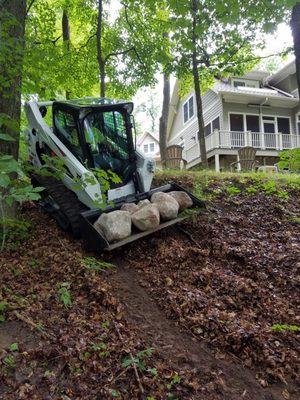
(94, 241)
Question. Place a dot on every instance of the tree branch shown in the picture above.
(119, 53)
(132, 30)
(55, 40)
(88, 40)
(29, 7)
(282, 53)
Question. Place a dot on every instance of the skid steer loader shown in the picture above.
(89, 134)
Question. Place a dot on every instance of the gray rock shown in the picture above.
(166, 204)
(182, 198)
(146, 217)
(115, 225)
(130, 207)
(143, 203)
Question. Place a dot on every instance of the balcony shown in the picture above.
(229, 140)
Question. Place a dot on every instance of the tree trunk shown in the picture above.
(12, 30)
(295, 25)
(66, 39)
(197, 87)
(100, 58)
(163, 121)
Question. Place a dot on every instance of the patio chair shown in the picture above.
(174, 158)
(246, 159)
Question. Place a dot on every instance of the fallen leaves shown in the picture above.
(240, 280)
(66, 300)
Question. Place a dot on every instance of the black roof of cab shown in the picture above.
(91, 103)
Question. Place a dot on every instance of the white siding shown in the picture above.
(148, 139)
(212, 107)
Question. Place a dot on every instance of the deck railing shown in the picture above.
(236, 140)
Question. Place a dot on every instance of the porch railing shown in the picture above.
(236, 140)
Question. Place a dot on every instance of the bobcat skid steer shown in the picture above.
(89, 134)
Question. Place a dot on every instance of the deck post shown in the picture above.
(217, 162)
(280, 144)
(263, 146)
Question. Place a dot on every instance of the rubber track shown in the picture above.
(66, 200)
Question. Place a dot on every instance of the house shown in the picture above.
(148, 144)
(256, 109)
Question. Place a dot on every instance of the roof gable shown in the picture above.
(283, 73)
(142, 138)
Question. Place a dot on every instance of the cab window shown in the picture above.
(66, 131)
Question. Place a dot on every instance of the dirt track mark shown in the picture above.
(179, 347)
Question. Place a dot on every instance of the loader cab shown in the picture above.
(98, 132)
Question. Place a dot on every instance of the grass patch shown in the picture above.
(209, 184)
(96, 265)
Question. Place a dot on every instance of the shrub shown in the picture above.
(290, 159)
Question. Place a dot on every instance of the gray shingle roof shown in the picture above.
(265, 91)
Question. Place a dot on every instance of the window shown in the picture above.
(269, 124)
(238, 83)
(188, 109)
(245, 83)
(66, 131)
(283, 125)
(212, 126)
(298, 123)
(207, 130)
(149, 147)
(252, 123)
(237, 122)
(108, 143)
(216, 124)
(152, 147)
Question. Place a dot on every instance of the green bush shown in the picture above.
(16, 230)
(290, 159)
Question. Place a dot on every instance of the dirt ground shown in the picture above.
(194, 307)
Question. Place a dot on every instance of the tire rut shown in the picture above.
(178, 346)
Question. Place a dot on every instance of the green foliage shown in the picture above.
(139, 360)
(101, 348)
(175, 380)
(16, 231)
(232, 191)
(296, 220)
(3, 308)
(290, 159)
(270, 189)
(12, 187)
(14, 347)
(65, 294)
(284, 327)
(99, 176)
(97, 265)
(9, 361)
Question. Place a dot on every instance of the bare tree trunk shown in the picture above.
(295, 25)
(12, 31)
(163, 121)
(100, 58)
(66, 39)
(197, 87)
